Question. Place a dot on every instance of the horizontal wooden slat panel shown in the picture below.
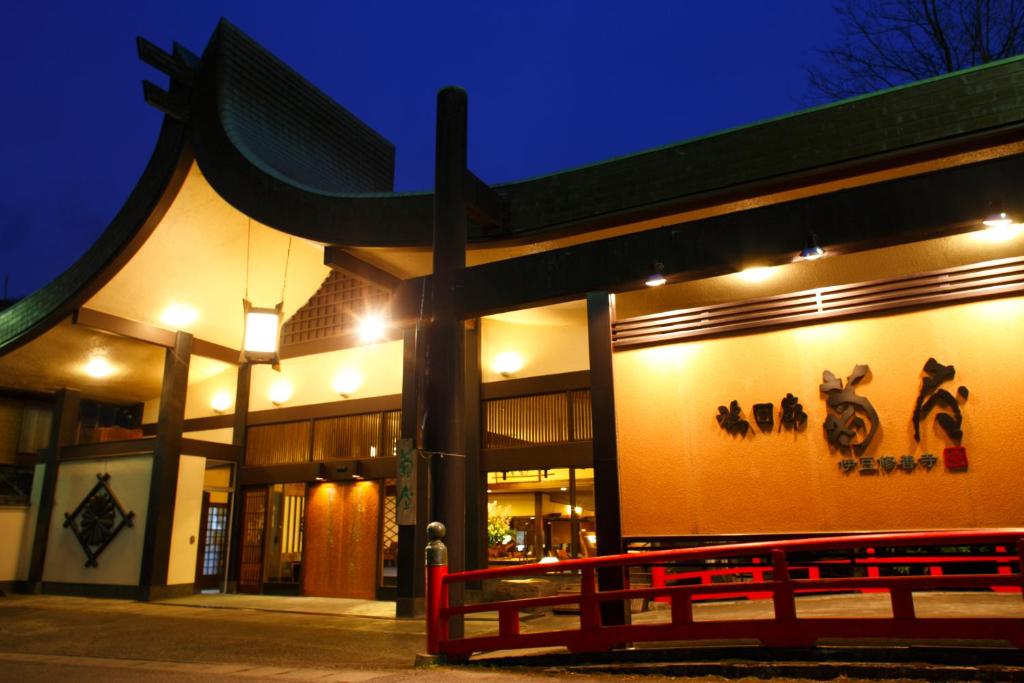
(993, 278)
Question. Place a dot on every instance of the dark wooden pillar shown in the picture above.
(163, 487)
(412, 538)
(476, 488)
(238, 432)
(444, 435)
(600, 312)
(63, 432)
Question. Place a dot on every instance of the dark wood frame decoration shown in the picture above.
(933, 288)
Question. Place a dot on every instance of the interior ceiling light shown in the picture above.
(657, 276)
(508, 363)
(179, 316)
(98, 367)
(280, 392)
(756, 274)
(220, 402)
(372, 328)
(347, 382)
(812, 250)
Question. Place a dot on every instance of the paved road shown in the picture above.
(45, 638)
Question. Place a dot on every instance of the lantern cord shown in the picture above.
(287, 257)
(248, 255)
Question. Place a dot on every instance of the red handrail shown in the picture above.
(784, 630)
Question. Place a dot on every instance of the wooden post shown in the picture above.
(412, 537)
(163, 487)
(600, 313)
(238, 436)
(444, 436)
(476, 485)
(63, 432)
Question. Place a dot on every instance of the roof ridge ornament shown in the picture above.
(180, 67)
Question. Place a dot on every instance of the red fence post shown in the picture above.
(658, 581)
(590, 610)
(1020, 564)
(782, 594)
(437, 589)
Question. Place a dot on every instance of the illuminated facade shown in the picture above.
(522, 362)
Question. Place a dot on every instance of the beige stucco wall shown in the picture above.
(120, 563)
(682, 474)
(14, 525)
(188, 509)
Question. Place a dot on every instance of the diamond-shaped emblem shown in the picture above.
(98, 519)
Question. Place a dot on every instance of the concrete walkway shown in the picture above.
(336, 607)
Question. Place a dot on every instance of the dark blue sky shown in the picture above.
(552, 84)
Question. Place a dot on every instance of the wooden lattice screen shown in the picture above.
(334, 310)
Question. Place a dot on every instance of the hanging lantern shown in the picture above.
(262, 336)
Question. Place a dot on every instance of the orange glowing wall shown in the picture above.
(681, 474)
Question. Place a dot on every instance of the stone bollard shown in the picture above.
(437, 591)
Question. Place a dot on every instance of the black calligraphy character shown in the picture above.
(843, 422)
(793, 415)
(730, 420)
(931, 396)
(764, 416)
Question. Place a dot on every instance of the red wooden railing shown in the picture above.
(755, 572)
(776, 583)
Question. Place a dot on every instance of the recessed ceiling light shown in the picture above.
(995, 220)
(372, 328)
(98, 367)
(179, 316)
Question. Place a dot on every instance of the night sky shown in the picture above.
(552, 84)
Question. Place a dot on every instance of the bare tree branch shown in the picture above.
(884, 43)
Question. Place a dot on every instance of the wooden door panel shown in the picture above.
(341, 540)
(254, 519)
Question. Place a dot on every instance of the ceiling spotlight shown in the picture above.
(372, 328)
(657, 276)
(812, 250)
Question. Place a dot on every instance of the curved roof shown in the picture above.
(262, 140)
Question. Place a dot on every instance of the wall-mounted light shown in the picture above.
(280, 392)
(347, 382)
(321, 473)
(507, 363)
(570, 509)
(372, 327)
(220, 402)
(997, 219)
(179, 316)
(657, 276)
(812, 250)
(261, 340)
(98, 367)
(756, 274)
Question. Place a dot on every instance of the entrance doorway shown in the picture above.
(537, 514)
(211, 555)
(342, 540)
(273, 539)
